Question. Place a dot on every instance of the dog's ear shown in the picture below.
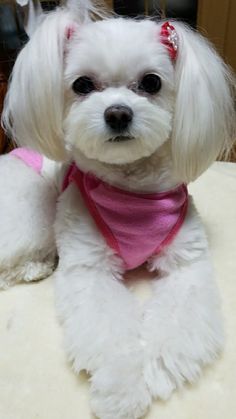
(34, 105)
(204, 117)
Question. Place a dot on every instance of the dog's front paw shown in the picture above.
(180, 360)
(26, 272)
(118, 390)
(159, 380)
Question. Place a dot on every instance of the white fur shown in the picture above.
(27, 213)
(134, 353)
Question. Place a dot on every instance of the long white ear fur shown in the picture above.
(204, 123)
(34, 105)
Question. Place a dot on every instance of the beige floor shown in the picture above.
(35, 380)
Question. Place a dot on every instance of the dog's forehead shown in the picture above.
(116, 49)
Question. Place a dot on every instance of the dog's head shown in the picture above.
(116, 90)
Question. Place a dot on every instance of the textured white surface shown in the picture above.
(35, 378)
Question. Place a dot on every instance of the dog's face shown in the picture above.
(119, 87)
(112, 92)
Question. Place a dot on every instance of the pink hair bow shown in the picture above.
(169, 38)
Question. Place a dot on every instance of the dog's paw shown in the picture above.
(179, 362)
(118, 389)
(163, 377)
(159, 380)
(27, 272)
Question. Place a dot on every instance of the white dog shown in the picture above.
(141, 108)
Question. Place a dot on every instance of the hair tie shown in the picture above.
(170, 38)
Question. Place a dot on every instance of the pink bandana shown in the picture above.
(29, 157)
(135, 225)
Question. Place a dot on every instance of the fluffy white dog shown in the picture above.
(141, 108)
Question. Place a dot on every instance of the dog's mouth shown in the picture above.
(120, 138)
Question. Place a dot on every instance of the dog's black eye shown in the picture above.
(150, 83)
(83, 85)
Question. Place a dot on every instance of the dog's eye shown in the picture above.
(83, 85)
(150, 83)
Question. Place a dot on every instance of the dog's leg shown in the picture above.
(27, 213)
(182, 325)
(100, 315)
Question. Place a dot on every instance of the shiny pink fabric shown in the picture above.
(29, 157)
(135, 225)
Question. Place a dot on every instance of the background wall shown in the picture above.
(217, 20)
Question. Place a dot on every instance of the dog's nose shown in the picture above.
(118, 117)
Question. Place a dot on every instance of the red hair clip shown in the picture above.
(169, 38)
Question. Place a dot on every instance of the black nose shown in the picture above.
(118, 117)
